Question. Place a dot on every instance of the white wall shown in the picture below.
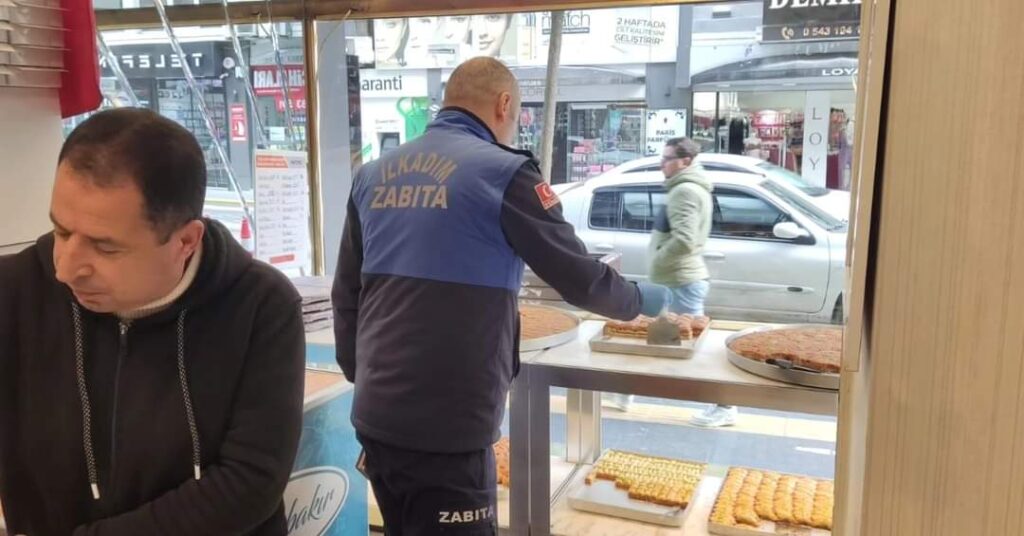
(30, 139)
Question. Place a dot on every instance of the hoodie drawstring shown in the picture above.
(83, 395)
(193, 430)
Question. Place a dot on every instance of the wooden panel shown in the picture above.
(947, 344)
(854, 393)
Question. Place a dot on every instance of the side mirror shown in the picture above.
(790, 231)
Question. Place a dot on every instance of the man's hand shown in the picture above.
(654, 298)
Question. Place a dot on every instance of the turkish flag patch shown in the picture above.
(548, 197)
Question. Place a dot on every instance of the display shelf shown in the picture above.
(707, 377)
(567, 521)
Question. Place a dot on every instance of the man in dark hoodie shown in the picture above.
(151, 372)
(425, 301)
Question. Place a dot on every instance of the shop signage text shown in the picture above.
(574, 22)
(393, 83)
(161, 61)
(797, 4)
(809, 20)
(266, 79)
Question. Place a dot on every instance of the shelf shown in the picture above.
(567, 521)
(706, 377)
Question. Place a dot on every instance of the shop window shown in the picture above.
(741, 215)
(224, 120)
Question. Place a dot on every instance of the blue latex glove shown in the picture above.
(654, 298)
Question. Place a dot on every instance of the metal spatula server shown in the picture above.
(663, 332)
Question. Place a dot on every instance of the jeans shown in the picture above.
(689, 299)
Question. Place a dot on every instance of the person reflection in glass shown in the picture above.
(489, 33)
(389, 40)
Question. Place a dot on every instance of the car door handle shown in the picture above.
(604, 247)
(714, 256)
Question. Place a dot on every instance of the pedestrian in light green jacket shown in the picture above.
(677, 245)
(682, 228)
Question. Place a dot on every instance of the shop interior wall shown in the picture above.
(30, 139)
(945, 370)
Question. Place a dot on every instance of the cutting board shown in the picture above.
(602, 497)
(637, 346)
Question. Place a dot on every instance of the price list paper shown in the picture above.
(282, 209)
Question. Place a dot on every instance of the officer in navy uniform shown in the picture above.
(425, 301)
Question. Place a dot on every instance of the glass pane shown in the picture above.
(636, 211)
(605, 212)
(155, 74)
(772, 120)
(742, 215)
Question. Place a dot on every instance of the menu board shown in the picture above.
(282, 209)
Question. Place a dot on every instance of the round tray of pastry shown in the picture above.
(801, 354)
(543, 327)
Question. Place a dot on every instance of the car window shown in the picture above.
(808, 209)
(717, 166)
(605, 209)
(636, 210)
(741, 215)
(645, 169)
(787, 176)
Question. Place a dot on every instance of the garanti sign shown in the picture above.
(810, 20)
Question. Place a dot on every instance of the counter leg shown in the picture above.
(519, 434)
(540, 457)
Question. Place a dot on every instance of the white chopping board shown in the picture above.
(602, 497)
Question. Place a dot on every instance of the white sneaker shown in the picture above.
(716, 417)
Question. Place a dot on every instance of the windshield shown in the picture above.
(805, 207)
(794, 180)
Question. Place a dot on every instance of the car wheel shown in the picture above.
(837, 311)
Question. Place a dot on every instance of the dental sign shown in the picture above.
(810, 20)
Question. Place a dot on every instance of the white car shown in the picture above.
(773, 255)
(835, 202)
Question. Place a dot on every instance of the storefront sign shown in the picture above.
(808, 20)
(313, 499)
(282, 209)
(663, 125)
(814, 164)
(160, 60)
(377, 83)
(267, 82)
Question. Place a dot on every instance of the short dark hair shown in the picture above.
(683, 147)
(162, 158)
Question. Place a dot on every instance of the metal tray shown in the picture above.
(550, 341)
(797, 376)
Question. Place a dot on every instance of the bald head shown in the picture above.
(486, 87)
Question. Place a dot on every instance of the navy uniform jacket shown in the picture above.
(431, 262)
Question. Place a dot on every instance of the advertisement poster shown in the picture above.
(282, 210)
(326, 495)
(590, 37)
(663, 125)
